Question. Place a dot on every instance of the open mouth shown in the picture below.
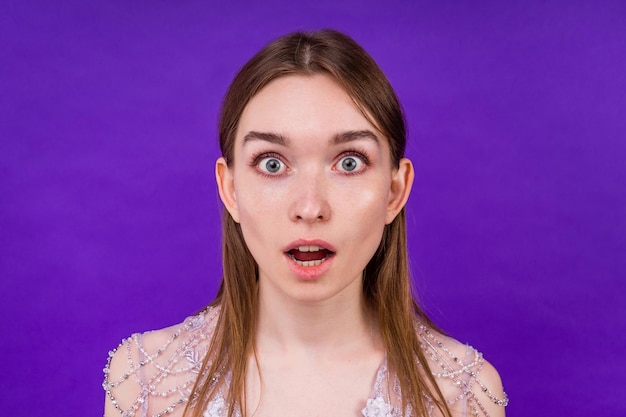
(309, 255)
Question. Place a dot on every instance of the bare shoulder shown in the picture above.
(154, 371)
(466, 379)
(489, 384)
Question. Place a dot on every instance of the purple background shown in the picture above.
(109, 212)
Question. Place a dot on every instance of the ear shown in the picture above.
(401, 183)
(226, 186)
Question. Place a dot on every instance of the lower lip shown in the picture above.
(309, 272)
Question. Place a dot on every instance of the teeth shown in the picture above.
(310, 263)
(309, 248)
(307, 263)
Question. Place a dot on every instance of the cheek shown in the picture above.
(368, 199)
(362, 225)
(255, 199)
(259, 210)
(363, 209)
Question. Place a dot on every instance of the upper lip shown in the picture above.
(309, 242)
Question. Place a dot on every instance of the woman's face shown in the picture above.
(312, 187)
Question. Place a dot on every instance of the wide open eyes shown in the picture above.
(269, 164)
(349, 162)
(352, 162)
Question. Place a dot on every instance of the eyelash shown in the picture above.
(254, 163)
(255, 159)
(359, 154)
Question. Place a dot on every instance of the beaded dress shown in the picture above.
(153, 373)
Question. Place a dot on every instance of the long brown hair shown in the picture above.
(386, 280)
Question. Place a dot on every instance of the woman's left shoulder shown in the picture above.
(465, 378)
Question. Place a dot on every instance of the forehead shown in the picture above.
(300, 105)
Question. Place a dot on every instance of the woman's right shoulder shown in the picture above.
(154, 372)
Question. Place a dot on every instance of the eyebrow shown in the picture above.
(338, 139)
(265, 136)
(352, 135)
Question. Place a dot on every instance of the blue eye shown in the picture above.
(271, 165)
(350, 163)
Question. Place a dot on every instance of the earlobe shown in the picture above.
(226, 186)
(401, 183)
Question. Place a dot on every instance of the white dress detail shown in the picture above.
(155, 375)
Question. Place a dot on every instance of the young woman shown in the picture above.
(314, 316)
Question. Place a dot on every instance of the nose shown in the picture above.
(309, 200)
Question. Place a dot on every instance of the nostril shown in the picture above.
(309, 207)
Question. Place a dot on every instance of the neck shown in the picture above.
(341, 322)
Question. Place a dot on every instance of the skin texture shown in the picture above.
(312, 196)
(302, 175)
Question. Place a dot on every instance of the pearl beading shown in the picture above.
(462, 375)
(193, 349)
(196, 332)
